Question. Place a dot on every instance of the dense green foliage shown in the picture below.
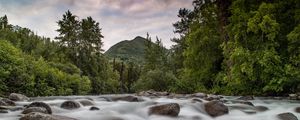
(234, 47)
(38, 66)
(239, 47)
(35, 77)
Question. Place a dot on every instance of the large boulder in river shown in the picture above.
(297, 109)
(86, 102)
(94, 108)
(7, 102)
(287, 116)
(126, 98)
(42, 116)
(17, 97)
(171, 109)
(42, 105)
(70, 105)
(35, 109)
(246, 98)
(215, 108)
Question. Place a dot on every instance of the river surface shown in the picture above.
(122, 110)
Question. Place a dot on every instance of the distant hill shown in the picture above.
(128, 50)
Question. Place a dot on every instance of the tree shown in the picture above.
(68, 35)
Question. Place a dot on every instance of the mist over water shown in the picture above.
(189, 110)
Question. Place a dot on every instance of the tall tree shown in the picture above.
(68, 35)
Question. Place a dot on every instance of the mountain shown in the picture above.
(128, 50)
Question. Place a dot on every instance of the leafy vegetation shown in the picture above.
(233, 47)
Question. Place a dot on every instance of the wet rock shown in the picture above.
(261, 108)
(215, 108)
(35, 109)
(94, 108)
(153, 93)
(171, 109)
(86, 102)
(200, 95)
(246, 98)
(297, 109)
(3, 111)
(16, 109)
(7, 102)
(42, 116)
(195, 100)
(70, 105)
(287, 116)
(41, 104)
(17, 97)
(126, 98)
(243, 102)
(293, 96)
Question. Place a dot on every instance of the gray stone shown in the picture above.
(17, 97)
(70, 105)
(126, 98)
(171, 109)
(94, 108)
(3, 111)
(261, 108)
(35, 109)
(297, 109)
(42, 116)
(287, 116)
(86, 102)
(41, 104)
(215, 108)
(246, 98)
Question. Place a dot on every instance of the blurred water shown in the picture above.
(139, 110)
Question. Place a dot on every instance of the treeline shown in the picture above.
(233, 47)
(70, 65)
(237, 47)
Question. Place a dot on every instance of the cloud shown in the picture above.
(119, 19)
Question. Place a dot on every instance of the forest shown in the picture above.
(230, 47)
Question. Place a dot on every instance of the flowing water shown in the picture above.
(121, 110)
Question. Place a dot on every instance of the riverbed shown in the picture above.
(191, 108)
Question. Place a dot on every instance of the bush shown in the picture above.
(21, 73)
(155, 79)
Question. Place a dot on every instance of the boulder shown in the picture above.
(126, 98)
(171, 109)
(297, 109)
(293, 96)
(287, 116)
(261, 108)
(246, 98)
(35, 109)
(86, 102)
(200, 95)
(243, 102)
(215, 108)
(195, 100)
(42, 116)
(17, 97)
(41, 104)
(3, 111)
(7, 102)
(94, 108)
(70, 105)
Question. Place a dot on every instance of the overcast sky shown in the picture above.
(119, 19)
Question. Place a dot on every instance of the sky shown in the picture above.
(119, 19)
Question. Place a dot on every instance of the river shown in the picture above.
(189, 109)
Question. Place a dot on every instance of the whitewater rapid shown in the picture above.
(189, 109)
